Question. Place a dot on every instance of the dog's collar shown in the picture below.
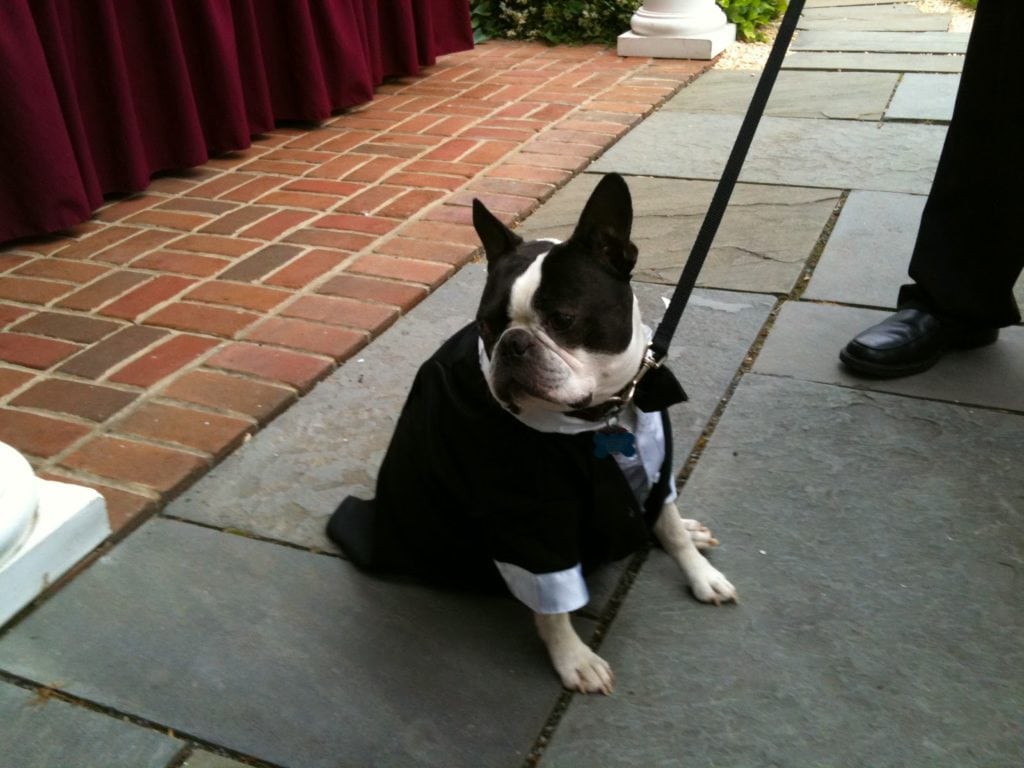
(614, 405)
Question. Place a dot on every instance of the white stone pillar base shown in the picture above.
(677, 29)
(704, 46)
(70, 521)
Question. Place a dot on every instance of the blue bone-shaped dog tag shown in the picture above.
(614, 440)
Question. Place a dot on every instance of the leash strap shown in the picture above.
(713, 218)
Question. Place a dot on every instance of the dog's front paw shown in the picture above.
(708, 583)
(583, 670)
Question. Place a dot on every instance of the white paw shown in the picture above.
(700, 535)
(708, 583)
(583, 670)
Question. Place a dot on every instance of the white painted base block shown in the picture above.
(70, 521)
(704, 46)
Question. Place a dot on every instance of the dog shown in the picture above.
(534, 445)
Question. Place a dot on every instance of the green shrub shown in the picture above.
(750, 15)
(595, 21)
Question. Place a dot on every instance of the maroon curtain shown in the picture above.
(97, 95)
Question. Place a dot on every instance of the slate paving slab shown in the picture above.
(291, 657)
(873, 62)
(865, 259)
(880, 42)
(876, 543)
(38, 733)
(922, 96)
(887, 18)
(894, 157)
(751, 252)
(805, 340)
(851, 95)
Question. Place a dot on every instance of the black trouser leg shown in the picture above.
(969, 249)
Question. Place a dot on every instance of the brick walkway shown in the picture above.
(143, 346)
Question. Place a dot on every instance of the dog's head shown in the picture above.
(559, 323)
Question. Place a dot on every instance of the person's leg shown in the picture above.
(966, 259)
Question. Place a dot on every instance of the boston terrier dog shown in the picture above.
(534, 444)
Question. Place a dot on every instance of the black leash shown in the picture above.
(713, 218)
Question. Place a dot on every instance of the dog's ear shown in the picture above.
(496, 237)
(606, 222)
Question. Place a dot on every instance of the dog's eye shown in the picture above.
(559, 321)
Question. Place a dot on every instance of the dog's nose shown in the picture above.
(516, 342)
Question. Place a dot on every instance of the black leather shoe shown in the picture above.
(910, 341)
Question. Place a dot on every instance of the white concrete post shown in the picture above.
(45, 528)
(677, 29)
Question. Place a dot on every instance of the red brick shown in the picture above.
(533, 189)
(551, 162)
(197, 205)
(32, 291)
(11, 379)
(163, 360)
(374, 170)
(307, 268)
(218, 185)
(339, 343)
(103, 290)
(411, 203)
(182, 263)
(274, 226)
(442, 233)
(402, 295)
(99, 358)
(210, 433)
(9, 313)
(37, 435)
(162, 469)
(237, 295)
(449, 253)
(425, 272)
(237, 219)
(33, 351)
(446, 168)
(257, 186)
(188, 316)
(230, 393)
(371, 225)
(12, 260)
(285, 199)
(222, 246)
(336, 169)
(336, 189)
(123, 507)
(554, 176)
(261, 263)
(147, 296)
(185, 222)
(340, 311)
(329, 238)
(451, 150)
(87, 401)
(370, 199)
(134, 246)
(298, 370)
(490, 152)
(126, 206)
(69, 327)
(426, 180)
(62, 269)
(93, 243)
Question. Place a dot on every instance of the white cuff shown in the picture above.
(556, 592)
